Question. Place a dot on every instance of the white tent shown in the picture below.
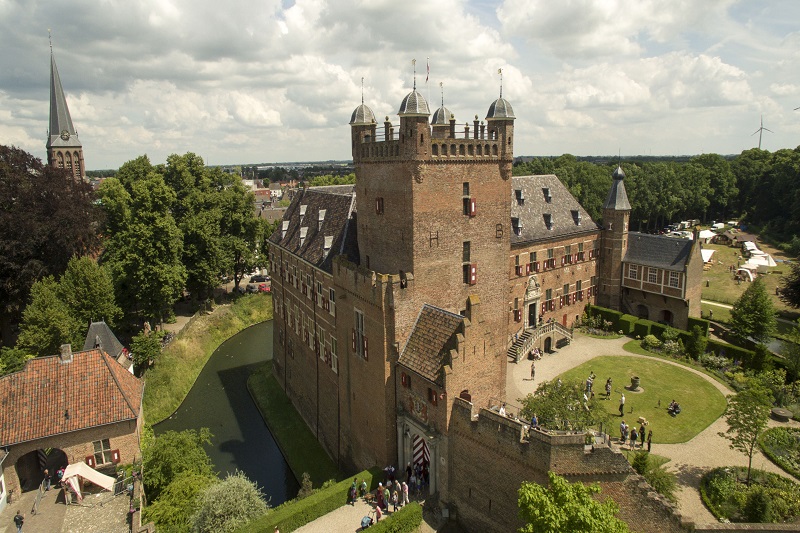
(707, 255)
(705, 235)
(744, 273)
(761, 259)
(750, 246)
(85, 471)
(718, 225)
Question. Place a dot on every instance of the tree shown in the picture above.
(562, 405)
(172, 453)
(12, 360)
(48, 322)
(173, 509)
(747, 414)
(144, 349)
(789, 291)
(753, 314)
(88, 291)
(792, 356)
(565, 506)
(697, 343)
(228, 505)
(46, 218)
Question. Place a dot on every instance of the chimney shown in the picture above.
(66, 353)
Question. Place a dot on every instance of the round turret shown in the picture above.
(500, 109)
(618, 174)
(414, 104)
(362, 115)
(441, 117)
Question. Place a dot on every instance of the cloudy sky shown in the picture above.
(247, 81)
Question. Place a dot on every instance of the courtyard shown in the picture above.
(688, 459)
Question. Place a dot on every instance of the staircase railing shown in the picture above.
(525, 342)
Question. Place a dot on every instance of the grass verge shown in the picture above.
(302, 450)
(661, 382)
(177, 368)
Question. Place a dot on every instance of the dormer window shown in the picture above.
(516, 225)
(302, 212)
(548, 220)
(520, 196)
(284, 228)
(303, 233)
(328, 243)
(320, 219)
(576, 216)
(547, 196)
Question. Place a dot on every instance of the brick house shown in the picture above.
(399, 297)
(67, 408)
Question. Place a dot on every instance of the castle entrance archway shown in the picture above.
(533, 293)
(548, 345)
(31, 466)
(418, 445)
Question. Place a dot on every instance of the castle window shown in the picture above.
(461, 150)
(568, 254)
(319, 294)
(674, 280)
(102, 452)
(652, 275)
(480, 149)
(435, 149)
(334, 355)
(632, 272)
(581, 255)
(359, 339)
(465, 252)
(576, 216)
(465, 187)
(296, 320)
(494, 149)
(452, 149)
(326, 246)
(303, 233)
(321, 218)
(332, 301)
(378, 206)
(520, 196)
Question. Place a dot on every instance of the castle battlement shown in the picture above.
(365, 284)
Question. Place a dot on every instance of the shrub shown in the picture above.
(226, 505)
(757, 507)
(698, 322)
(640, 461)
(729, 350)
(297, 513)
(406, 520)
(782, 446)
(651, 342)
(626, 324)
(662, 481)
(607, 315)
(642, 328)
(729, 499)
(715, 362)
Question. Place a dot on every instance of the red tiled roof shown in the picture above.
(93, 389)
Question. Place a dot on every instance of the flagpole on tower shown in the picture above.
(414, 67)
(500, 71)
(428, 75)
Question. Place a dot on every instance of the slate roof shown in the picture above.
(362, 115)
(338, 203)
(617, 197)
(100, 336)
(60, 119)
(658, 251)
(563, 208)
(428, 347)
(500, 109)
(93, 389)
(414, 104)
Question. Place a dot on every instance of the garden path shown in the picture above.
(689, 460)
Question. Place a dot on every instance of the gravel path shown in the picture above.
(689, 460)
(348, 518)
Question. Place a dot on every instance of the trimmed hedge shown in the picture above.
(658, 330)
(704, 324)
(607, 314)
(406, 520)
(642, 328)
(626, 324)
(297, 513)
(730, 351)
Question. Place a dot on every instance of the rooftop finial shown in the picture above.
(500, 71)
(50, 38)
(414, 66)
(441, 87)
(362, 90)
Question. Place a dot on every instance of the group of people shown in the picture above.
(626, 432)
(674, 408)
(391, 492)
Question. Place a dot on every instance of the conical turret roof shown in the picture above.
(617, 197)
(62, 132)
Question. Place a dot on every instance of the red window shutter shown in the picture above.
(473, 210)
(575, 258)
(90, 460)
(561, 301)
(517, 315)
(473, 274)
(366, 356)
(527, 269)
(354, 339)
(552, 305)
(115, 456)
(544, 307)
(536, 266)
(563, 260)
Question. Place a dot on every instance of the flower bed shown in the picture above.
(782, 446)
(769, 498)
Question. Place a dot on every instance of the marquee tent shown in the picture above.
(707, 255)
(76, 470)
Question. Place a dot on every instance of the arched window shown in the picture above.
(462, 150)
(494, 149)
(435, 149)
(60, 159)
(480, 149)
(77, 157)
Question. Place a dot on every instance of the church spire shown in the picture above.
(64, 149)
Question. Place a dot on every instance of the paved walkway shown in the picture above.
(689, 460)
(348, 518)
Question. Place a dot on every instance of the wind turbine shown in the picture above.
(760, 131)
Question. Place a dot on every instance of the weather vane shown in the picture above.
(50, 38)
(441, 88)
(500, 71)
(362, 90)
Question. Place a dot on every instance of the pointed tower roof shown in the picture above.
(617, 197)
(62, 132)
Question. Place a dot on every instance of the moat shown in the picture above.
(220, 401)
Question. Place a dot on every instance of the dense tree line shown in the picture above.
(757, 186)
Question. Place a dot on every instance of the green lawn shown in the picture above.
(299, 446)
(700, 401)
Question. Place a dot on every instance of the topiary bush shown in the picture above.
(651, 342)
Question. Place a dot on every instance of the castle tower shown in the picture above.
(64, 149)
(616, 214)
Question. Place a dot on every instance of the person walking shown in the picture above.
(649, 440)
(395, 501)
(405, 494)
(533, 370)
(46, 479)
(18, 521)
(634, 438)
(621, 405)
(622, 431)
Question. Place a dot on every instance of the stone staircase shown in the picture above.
(525, 342)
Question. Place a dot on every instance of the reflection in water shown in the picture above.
(219, 400)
